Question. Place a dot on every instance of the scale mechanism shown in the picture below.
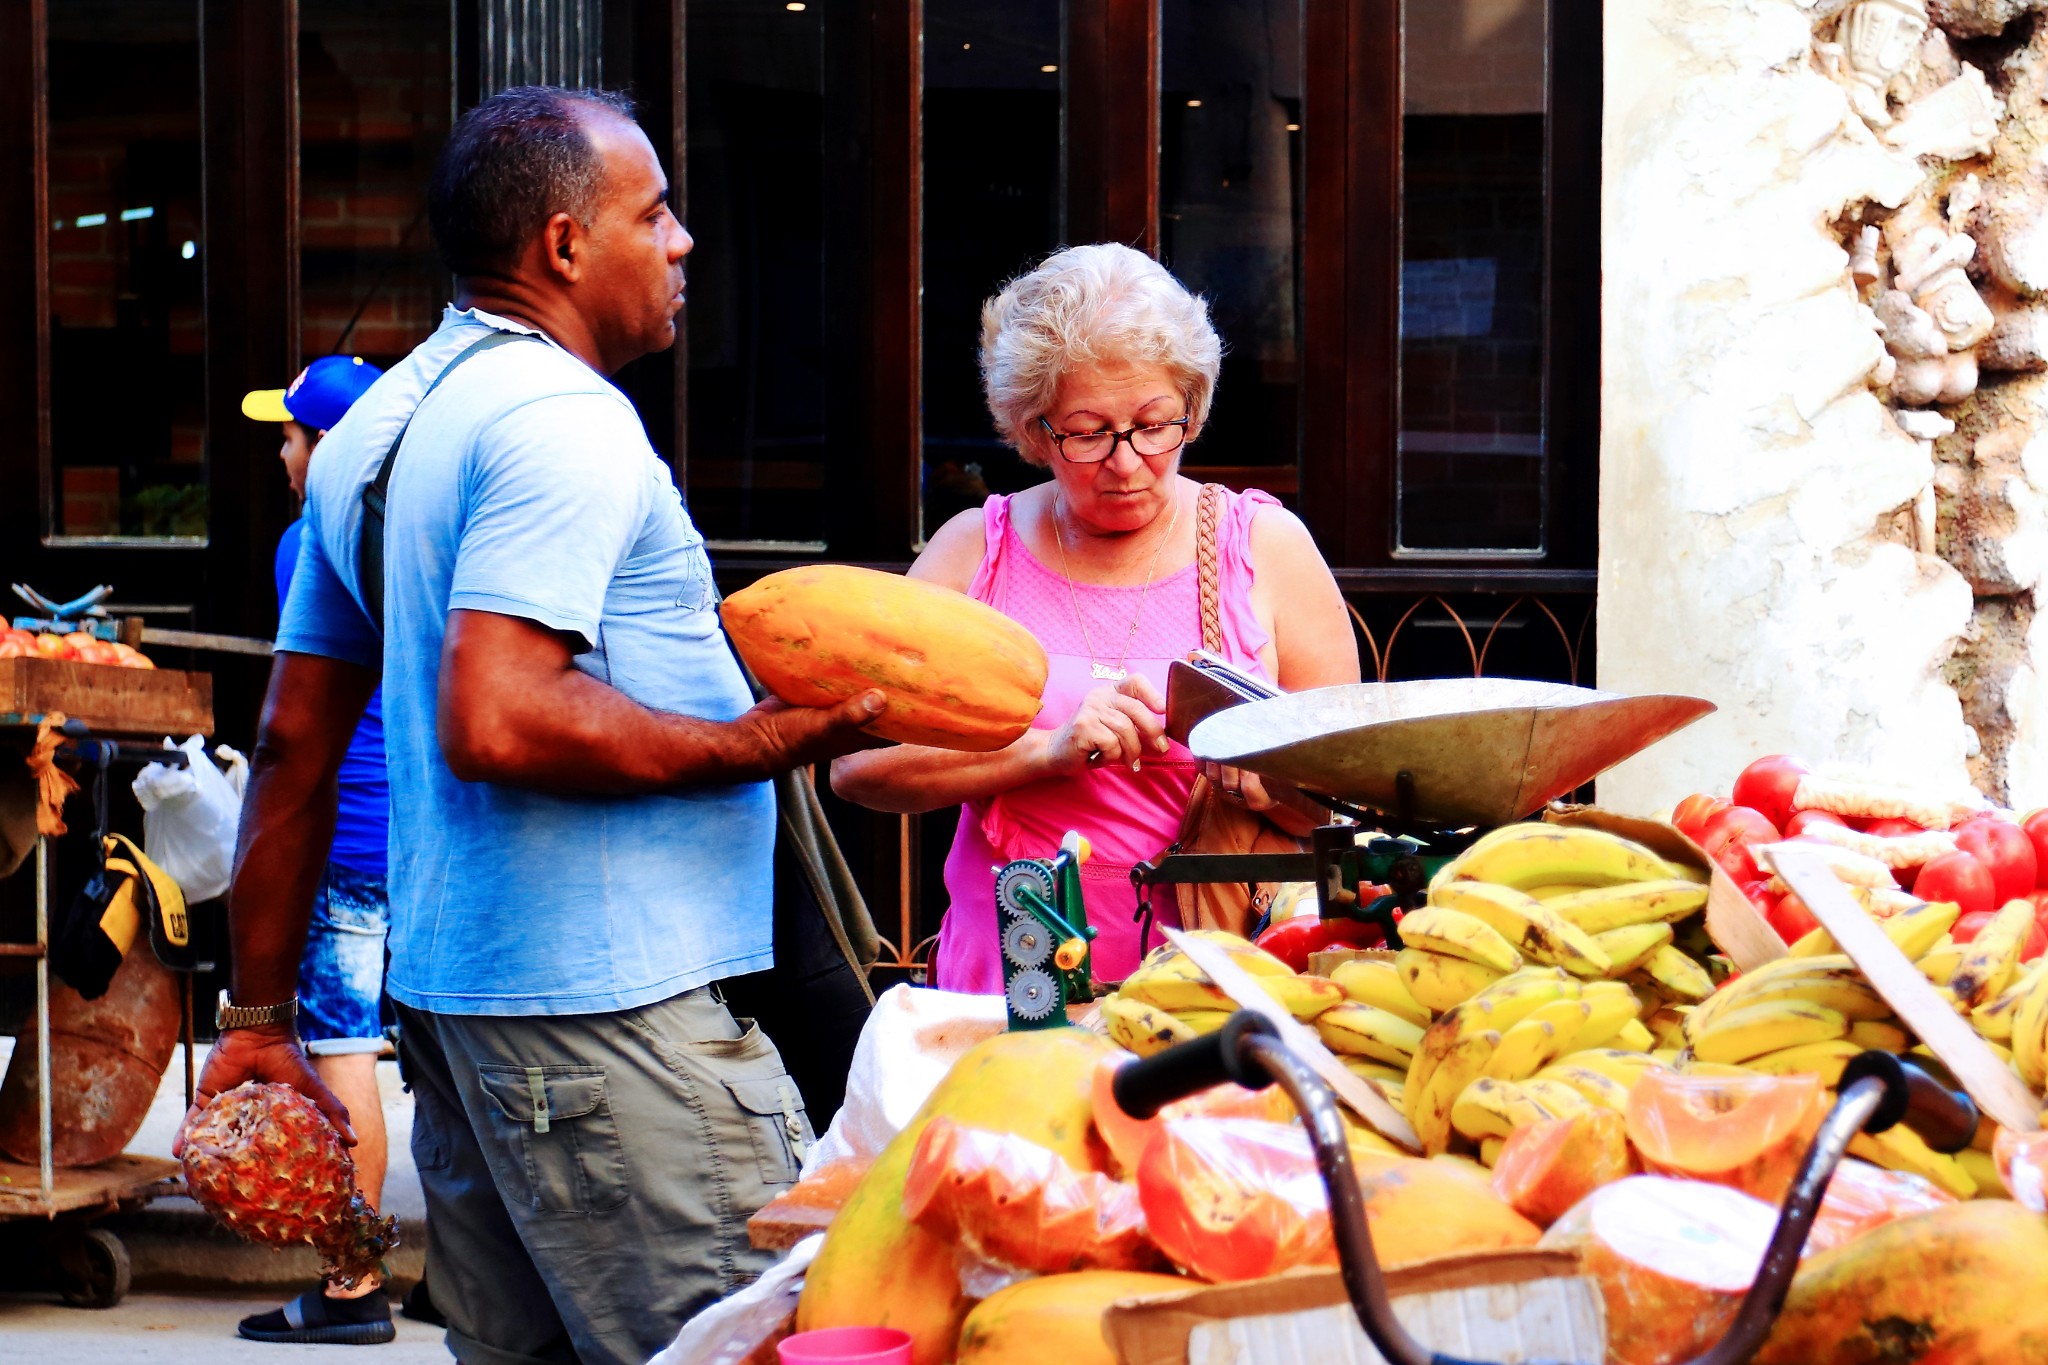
(1045, 936)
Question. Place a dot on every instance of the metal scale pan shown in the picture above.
(1477, 751)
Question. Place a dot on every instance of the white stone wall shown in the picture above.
(1764, 519)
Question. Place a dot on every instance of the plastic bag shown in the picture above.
(189, 817)
(1861, 1197)
(1672, 1259)
(742, 1328)
(1011, 1201)
(2022, 1161)
(1235, 1199)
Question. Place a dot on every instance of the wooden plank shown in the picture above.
(126, 1176)
(1998, 1091)
(114, 701)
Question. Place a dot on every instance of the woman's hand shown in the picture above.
(1122, 724)
(1282, 803)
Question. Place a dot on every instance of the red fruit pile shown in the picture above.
(1996, 859)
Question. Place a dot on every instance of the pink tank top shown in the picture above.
(1128, 817)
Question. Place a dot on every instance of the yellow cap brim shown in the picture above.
(266, 405)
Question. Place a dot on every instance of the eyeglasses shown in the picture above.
(1093, 447)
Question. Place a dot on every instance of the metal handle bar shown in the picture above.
(1878, 1090)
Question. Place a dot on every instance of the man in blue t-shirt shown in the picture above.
(341, 975)
(582, 818)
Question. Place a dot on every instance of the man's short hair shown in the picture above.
(511, 163)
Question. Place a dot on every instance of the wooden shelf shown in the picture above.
(107, 1184)
(145, 702)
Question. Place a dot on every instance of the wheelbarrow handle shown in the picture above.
(1146, 1086)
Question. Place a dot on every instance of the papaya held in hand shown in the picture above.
(958, 673)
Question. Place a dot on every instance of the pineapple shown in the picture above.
(263, 1160)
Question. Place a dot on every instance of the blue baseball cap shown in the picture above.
(323, 391)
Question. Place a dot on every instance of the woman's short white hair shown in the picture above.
(1082, 306)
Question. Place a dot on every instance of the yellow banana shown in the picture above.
(1370, 981)
(1554, 891)
(1490, 1150)
(1756, 1029)
(1367, 1031)
(1531, 927)
(1440, 982)
(1457, 934)
(1142, 1028)
(1368, 1069)
(1939, 963)
(1596, 1087)
(1832, 981)
(1994, 1018)
(1633, 1037)
(2030, 1034)
(1615, 1063)
(1629, 948)
(1823, 1059)
(1205, 1021)
(1899, 1148)
(1489, 1108)
(1466, 1166)
(1364, 1142)
(1429, 1100)
(1679, 976)
(1493, 1011)
(1989, 959)
(1560, 1099)
(1614, 1008)
(1879, 1035)
(1693, 1066)
(1984, 1172)
(1667, 1027)
(1304, 997)
(1915, 930)
(1543, 855)
(1617, 907)
(1538, 1040)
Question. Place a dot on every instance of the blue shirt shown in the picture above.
(362, 817)
(527, 488)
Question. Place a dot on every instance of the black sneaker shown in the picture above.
(313, 1319)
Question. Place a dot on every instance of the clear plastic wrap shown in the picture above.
(1750, 1132)
(1862, 1196)
(2022, 1161)
(1546, 1168)
(1672, 1259)
(1006, 1200)
(1126, 1137)
(1237, 1199)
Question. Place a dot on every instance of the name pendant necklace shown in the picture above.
(1096, 668)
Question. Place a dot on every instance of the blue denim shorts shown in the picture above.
(341, 977)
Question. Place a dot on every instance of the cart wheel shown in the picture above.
(96, 1268)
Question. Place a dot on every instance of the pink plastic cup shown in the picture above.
(846, 1346)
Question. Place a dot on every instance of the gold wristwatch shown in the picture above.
(227, 1014)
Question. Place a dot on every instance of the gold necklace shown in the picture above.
(1097, 669)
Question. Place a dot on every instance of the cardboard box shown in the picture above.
(1504, 1306)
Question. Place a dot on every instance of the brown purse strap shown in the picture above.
(1208, 513)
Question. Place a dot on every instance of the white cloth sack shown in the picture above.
(910, 1041)
(738, 1325)
(189, 816)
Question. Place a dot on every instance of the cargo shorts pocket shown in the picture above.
(556, 1138)
(776, 1122)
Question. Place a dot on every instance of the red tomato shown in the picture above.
(1292, 940)
(2036, 827)
(2037, 942)
(52, 646)
(1729, 835)
(1957, 877)
(12, 647)
(1967, 927)
(1690, 814)
(2004, 848)
(1352, 933)
(1894, 829)
(1793, 920)
(1768, 785)
(1759, 893)
(1802, 820)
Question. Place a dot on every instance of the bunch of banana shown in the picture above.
(1788, 1004)
(1510, 1031)
(2029, 1013)
(1170, 1000)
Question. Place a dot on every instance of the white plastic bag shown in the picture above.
(189, 816)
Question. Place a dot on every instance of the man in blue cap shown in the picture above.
(341, 976)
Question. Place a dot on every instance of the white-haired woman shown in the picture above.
(1100, 366)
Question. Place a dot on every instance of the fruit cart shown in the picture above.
(55, 1207)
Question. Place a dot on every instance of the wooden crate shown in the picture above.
(145, 702)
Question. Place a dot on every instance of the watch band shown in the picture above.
(227, 1014)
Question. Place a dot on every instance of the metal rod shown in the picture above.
(21, 950)
(191, 1082)
(45, 1137)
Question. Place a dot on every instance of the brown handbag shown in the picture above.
(1212, 824)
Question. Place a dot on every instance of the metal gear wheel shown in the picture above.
(1032, 994)
(1026, 942)
(1024, 873)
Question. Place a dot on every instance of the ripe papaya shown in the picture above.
(958, 673)
(1960, 1285)
(1055, 1318)
(877, 1268)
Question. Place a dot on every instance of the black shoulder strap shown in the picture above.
(370, 549)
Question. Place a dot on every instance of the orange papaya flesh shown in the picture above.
(1960, 1285)
(1748, 1132)
(1126, 1136)
(879, 1269)
(1545, 1168)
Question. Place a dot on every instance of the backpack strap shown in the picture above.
(370, 549)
